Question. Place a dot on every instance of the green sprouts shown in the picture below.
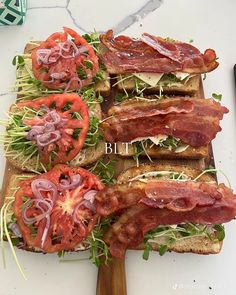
(163, 237)
(94, 135)
(5, 217)
(105, 170)
(16, 145)
(141, 147)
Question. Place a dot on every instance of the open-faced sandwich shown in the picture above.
(177, 127)
(52, 212)
(153, 64)
(166, 207)
(58, 128)
(65, 61)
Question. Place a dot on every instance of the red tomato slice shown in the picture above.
(64, 233)
(69, 145)
(60, 63)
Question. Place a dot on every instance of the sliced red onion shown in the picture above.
(74, 215)
(15, 229)
(70, 44)
(73, 182)
(34, 132)
(44, 185)
(83, 49)
(89, 205)
(42, 55)
(47, 134)
(58, 76)
(52, 117)
(39, 217)
(49, 56)
(65, 46)
(49, 127)
(48, 138)
(90, 195)
(46, 229)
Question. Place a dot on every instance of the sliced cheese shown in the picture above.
(180, 75)
(153, 174)
(181, 148)
(155, 139)
(150, 78)
(159, 138)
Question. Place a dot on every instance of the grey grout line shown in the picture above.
(46, 7)
(73, 19)
(128, 21)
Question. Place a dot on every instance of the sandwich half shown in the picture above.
(152, 64)
(177, 127)
(58, 128)
(165, 207)
(65, 61)
(51, 212)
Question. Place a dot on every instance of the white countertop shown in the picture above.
(211, 24)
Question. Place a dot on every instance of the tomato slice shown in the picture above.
(64, 232)
(64, 61)
(68, 145)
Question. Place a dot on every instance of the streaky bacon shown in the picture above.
(174, 195)
(126, 55)
(137, 109)
(129, 230)
(197, 127)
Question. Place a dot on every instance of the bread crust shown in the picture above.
(191, 87)
(163, 153)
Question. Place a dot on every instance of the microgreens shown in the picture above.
(99, 252)
(171, 234)
(105, 170)
(140, 147)
(216, 96)
(94, 135)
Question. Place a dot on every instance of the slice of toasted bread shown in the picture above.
(84, 158)
(157, 152)
(191, 87)
(198, 245)
(101, 87)
(192, 173)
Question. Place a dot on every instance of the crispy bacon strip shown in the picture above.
(153, 54)
(196, 127)
(178, 196)
(129, 230)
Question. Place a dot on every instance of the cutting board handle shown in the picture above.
(111, 278)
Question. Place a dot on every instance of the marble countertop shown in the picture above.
(211, 25)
